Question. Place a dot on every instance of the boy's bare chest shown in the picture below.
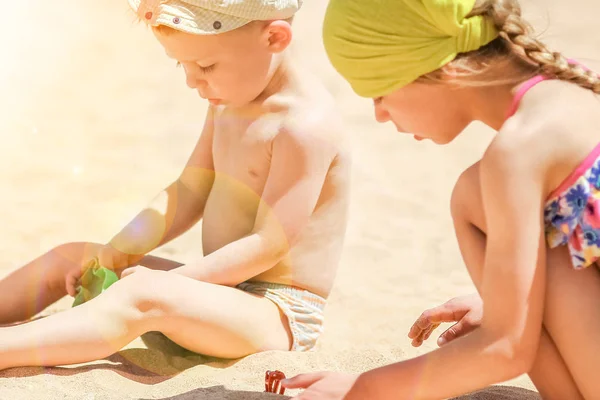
(242, 150)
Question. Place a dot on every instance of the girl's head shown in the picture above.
(227, 48)
(424, 62)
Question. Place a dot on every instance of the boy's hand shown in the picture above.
(466, 311)
(72, 280)
(108, 257)
(132, 270)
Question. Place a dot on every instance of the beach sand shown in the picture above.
(95, 120)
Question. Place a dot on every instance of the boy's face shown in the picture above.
(232, 68)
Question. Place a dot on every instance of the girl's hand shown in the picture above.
(466, 311)
(321, 385)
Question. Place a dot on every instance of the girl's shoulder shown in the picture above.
(556, 126)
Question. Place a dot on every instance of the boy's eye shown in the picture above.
(204, 70)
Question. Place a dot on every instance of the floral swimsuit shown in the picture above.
(572, 211)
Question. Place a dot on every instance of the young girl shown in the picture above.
(527, 215)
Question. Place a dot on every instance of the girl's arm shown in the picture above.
(513, 291)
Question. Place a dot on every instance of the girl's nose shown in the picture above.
(381, 114)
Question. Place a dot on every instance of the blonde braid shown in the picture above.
(518, 34)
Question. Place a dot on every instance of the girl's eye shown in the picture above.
(208, 69)
(178, 64)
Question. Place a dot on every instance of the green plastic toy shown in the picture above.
(95, 280)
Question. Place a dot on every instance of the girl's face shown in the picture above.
(426, 110)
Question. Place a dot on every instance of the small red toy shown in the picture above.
(273, 382)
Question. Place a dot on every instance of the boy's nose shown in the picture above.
(195, 83)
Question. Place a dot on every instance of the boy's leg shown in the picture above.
(550, 373)
(40, 283)
(33, 287)
(159, 264)
(214, 320)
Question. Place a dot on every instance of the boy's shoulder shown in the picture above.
(309, 120)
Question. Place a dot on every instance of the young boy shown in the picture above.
(269, 178)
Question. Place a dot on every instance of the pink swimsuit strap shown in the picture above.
(524, 88)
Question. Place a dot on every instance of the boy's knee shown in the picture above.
(69, 248)
(55, 264)
(466, 195)
(139, 293)
(73, 254)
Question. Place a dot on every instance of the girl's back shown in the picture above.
(555, 122)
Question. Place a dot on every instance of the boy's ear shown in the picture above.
(279, 35)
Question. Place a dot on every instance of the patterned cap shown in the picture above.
(209, 17)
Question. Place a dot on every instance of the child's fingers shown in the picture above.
(447, 312)
(302, 381)
(430, 331)
(128, 271)
(429, 318)
(416, 342)
(72, 281)
(414, 332)
(424, 335)
(417, 328)
(71, 284)
(457, 330)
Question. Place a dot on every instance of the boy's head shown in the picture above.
(226, 47)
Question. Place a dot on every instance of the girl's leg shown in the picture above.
(550, 373)
(214, 320)
(572, 317)
(35, 286)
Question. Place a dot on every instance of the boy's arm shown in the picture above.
(299, 164)
(177, 208)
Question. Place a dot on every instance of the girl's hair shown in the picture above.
(517, 49)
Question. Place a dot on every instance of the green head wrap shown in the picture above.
(379, 46)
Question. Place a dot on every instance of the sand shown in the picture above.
(95, 120)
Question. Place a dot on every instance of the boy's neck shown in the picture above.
(280, 78)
